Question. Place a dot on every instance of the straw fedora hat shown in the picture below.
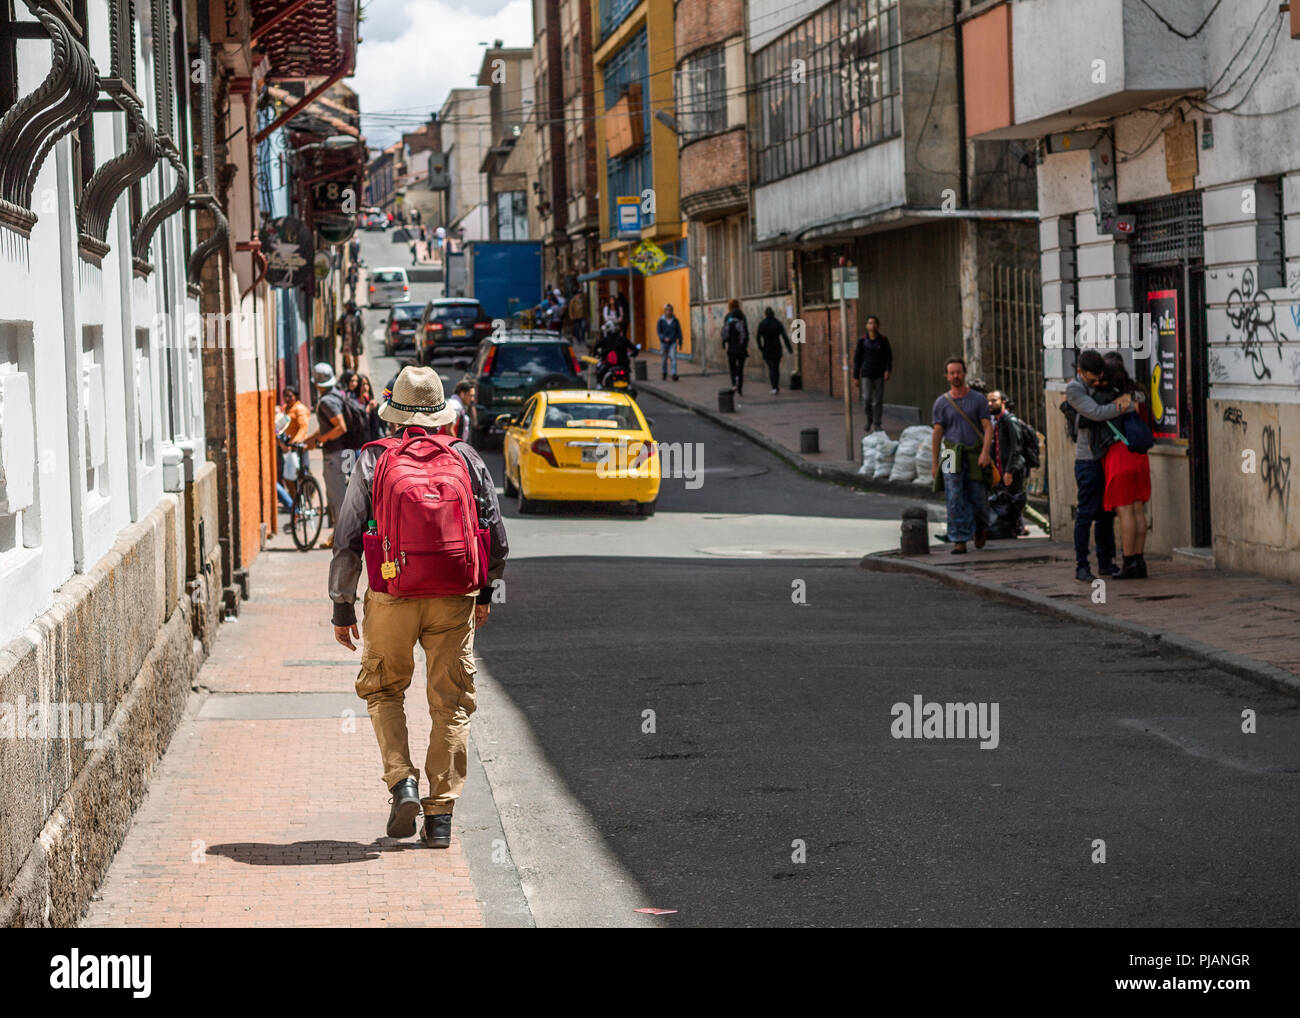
(417, 399)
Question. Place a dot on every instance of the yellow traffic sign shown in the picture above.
(648, 257)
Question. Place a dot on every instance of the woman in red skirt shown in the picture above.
(1128, 478)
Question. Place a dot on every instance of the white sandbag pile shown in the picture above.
(904, 469)
(871, 447)
(885, 452)
(924, 462)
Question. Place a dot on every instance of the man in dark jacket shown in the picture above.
(1007, 500)
(735, 340)
(770, 335)
(669, 330)
(873, 360)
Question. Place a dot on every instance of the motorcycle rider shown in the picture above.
(613, 350)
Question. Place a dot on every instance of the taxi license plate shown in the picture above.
(592, 455)
(458, 332)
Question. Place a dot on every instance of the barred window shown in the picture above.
(828, 87)
(702, 94)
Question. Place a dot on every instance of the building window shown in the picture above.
(629, 174)
(702, 94)
(512, 215)
(613, 13)
(841, 97)
(19, 491)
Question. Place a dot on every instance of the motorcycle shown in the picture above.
(611, 375)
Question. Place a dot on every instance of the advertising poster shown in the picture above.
(1163, 308)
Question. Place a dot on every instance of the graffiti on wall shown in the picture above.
(1275, 469)
(1255, 321)
(1232, 415)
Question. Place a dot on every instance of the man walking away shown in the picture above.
(438, 591)
(735, 340)
(578, 317)
(339, 433)
(1007, 501)
(1089, 471)
(771, 333)
(350, 332)
(670, 337)
(964, 431)
(873, 360)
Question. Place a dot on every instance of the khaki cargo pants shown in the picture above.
(444, 627)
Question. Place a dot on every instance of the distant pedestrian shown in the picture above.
(1083, 412)
(735, 340)
(873, 360)
(770, 334)
(365, 397)
(295, 433)
(670, 338)
(960, 447)
(1007, 500)
(351, 332)
(578, 317)
(1128, 474)
(331, 437)
(432, 564)
(611, 318)
(461, 401)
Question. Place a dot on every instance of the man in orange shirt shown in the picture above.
(294, 434)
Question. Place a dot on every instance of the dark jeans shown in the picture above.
(1090, 476)
(773, 371)
(873, 400)
(737, 367)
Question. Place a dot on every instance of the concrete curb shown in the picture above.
(848, 478)
(1260, 672)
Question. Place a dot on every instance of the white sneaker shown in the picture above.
(773, 392)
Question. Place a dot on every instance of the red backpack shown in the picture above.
(428, 541)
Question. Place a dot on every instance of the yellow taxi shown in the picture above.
(580, 445)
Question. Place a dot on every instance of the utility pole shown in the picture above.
(842, 272)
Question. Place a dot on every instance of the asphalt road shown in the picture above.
(772, 740)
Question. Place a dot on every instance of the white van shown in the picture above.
(388, 287)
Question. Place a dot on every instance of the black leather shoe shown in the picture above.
(1084, 575)
(406, 804)
(1130, 570)
(1109, 570)
(1142, 567)
(437, 830)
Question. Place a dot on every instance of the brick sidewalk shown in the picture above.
(266, 821)
(1252, 620)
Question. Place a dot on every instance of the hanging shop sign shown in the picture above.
(290, 252)
(1163, 308)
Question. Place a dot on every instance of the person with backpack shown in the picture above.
(735, 340)
(421, 513)
(340, 432)
(770, 335)
(1128, 469)
(1083, 412)
(1007, 499)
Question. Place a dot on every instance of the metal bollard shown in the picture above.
(639, 370)
(915, 538)
(808, 440)
(726, 401)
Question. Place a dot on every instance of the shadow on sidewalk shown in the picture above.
(309, 853)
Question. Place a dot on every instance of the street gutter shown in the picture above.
(1259, 672)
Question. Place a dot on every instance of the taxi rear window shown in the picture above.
(576, 415)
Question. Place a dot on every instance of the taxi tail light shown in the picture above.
(647, 452)
(543, 449)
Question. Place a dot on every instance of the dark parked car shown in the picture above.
(452, 327)
(510, 367)
(400, 329)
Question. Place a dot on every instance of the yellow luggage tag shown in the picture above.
(388, 570)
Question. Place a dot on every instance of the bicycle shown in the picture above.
(308, 513)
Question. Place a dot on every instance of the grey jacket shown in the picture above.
(346, 566)
(1080, 397)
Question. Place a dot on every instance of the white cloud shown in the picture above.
(413, 52)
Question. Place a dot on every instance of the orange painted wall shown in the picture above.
(666, 288)
(986, 44)
(255, 476)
